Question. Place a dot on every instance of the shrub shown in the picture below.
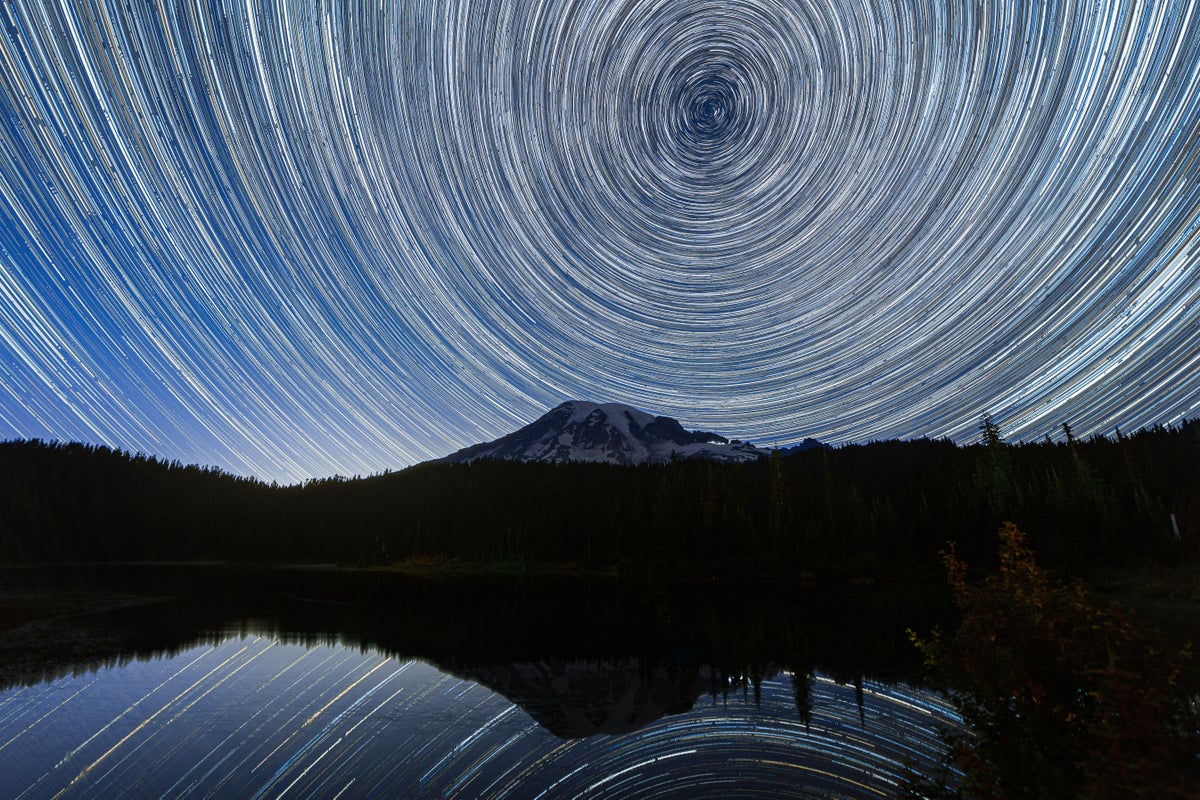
(1063, 698)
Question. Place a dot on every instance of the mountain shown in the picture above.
(577, 698)
(608, 433)
(807, 444)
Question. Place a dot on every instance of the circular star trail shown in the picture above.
(317, 238)
(253, 717)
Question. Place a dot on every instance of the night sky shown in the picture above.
(342, 237)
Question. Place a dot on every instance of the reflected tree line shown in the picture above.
(876, 508)
(621, 655)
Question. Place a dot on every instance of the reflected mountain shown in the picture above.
(580, 657)
(577, 699)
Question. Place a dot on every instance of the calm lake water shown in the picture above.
(217, 683)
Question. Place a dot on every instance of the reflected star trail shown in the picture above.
(318, 238)
(252, 717)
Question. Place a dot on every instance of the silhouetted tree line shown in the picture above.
(857, 509)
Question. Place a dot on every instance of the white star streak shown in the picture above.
(223, 721)
(161, 710)
(314, 237)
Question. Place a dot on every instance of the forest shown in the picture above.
(876, 509)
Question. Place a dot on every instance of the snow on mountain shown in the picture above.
(608, 433)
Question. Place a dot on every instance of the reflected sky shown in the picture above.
(253, 717)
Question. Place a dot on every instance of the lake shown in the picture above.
(215, 682)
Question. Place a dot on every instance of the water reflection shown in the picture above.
(251, 716)
(189, 682)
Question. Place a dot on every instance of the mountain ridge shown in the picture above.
(610, 433)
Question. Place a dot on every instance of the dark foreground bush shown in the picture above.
(1063, 698)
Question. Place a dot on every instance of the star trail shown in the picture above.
(256, 717)
(299, 239)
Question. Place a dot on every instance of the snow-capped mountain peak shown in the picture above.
(610, 433)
